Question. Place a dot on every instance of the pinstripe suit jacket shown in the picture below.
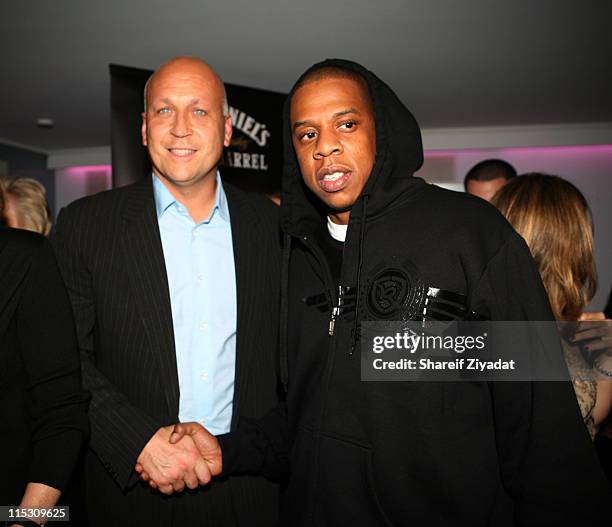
(110, 253)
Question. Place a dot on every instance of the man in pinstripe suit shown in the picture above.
(173, 282)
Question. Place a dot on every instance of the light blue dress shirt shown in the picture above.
(202, 280)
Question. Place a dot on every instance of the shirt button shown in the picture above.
(200, 278)
(204, 376)
(203, 326)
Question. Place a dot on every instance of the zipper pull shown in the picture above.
(335, 313)
(332, 321)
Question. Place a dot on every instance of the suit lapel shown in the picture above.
(243, 219)
(146, 268)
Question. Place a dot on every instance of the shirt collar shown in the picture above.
(336, 231)
(164, 199)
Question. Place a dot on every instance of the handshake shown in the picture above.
(185, 454)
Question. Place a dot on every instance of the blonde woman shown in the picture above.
(43, 418)
(25, 204)
(554, 219)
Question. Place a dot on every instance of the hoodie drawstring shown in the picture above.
(284, 313)
(359, 266)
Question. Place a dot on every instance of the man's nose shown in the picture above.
(181, 126)
(327, 144)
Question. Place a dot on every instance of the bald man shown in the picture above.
(173, 282)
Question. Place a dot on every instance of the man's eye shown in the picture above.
(307, 135)
(163, 110)
(199, 112)
(348, 125)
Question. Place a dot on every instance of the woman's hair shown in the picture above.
(1, 206)
(554, 219)
(29, 201)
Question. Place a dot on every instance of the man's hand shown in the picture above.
(207, 444)
(169, 466)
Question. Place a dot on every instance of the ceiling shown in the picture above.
(455, 64)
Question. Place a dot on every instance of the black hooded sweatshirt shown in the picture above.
(410, 453)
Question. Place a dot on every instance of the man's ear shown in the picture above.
(143, 129)
(228, 131)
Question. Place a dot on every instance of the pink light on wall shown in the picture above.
(72, 183)
(84, 170)
(542, 150)
(567, 161)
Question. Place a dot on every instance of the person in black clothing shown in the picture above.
(43, 410)
(364, 240)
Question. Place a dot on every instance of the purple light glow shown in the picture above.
(84, 170)
(520, 151)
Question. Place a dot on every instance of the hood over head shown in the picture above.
(399, 153)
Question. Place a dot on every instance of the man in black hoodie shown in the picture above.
(364, 240)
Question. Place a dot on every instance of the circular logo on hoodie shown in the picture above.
(395, 293)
